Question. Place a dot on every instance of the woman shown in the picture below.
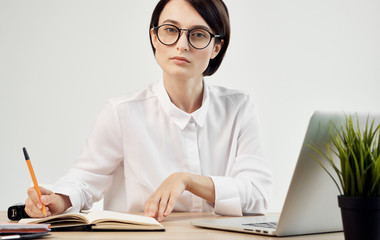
(179, 144)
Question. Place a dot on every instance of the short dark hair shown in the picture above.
(215, 13)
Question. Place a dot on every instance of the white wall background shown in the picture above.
(60, 61)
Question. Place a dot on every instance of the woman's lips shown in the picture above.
(180, 60)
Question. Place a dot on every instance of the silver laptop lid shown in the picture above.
(311, 204)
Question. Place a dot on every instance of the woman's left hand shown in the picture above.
(161, 203)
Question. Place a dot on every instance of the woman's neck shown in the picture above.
(186, 94)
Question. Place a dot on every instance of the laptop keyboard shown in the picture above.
(263, 224)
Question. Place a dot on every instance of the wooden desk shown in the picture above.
(178, 226)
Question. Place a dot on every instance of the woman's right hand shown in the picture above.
(54, 203)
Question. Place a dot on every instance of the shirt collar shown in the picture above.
(179, 117)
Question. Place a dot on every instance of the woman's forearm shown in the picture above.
(202, 186)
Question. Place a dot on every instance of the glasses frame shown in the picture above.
(188, 35)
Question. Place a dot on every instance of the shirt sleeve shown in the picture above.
(91, 175)
(247, 187)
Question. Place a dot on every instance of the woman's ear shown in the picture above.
(153, 37)
(216, 49)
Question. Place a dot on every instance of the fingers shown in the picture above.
(159, 206)
(161, 203)
(151, 206)
(170, 206)
(48, 199)
(33, 204)
(162, 207)
(36, 212)
(45, 191)
(54, 203)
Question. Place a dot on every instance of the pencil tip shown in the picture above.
(25, 153)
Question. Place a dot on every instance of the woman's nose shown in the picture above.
(183, 43)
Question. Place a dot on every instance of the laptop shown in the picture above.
(311, 204)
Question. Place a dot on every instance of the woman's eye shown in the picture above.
(198, 34)
(171, 30)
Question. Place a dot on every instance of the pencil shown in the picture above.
(35, 183)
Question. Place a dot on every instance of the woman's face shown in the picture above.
(181, 60)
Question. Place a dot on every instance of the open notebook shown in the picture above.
(99, 220)
(311, 204)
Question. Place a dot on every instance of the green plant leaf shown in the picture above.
(358, 151)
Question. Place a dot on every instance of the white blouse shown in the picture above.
(139, 140)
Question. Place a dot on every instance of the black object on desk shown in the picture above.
(17, 211)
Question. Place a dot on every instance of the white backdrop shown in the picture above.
(60, 61)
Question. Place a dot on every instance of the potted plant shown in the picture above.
(357, 171)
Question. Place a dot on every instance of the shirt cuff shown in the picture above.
(73, 195)
(227, 198)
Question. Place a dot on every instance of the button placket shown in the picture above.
(194, 161)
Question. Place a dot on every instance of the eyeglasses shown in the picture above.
(198, 38)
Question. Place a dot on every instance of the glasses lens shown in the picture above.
(199, 38)
(168, 34)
